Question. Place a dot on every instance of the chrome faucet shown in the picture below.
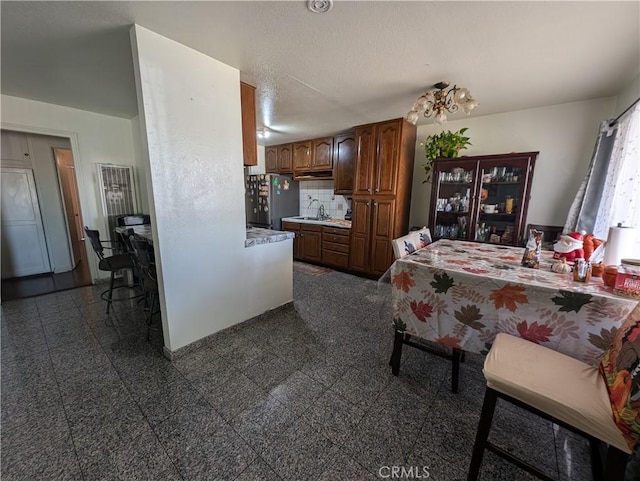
(321, 213)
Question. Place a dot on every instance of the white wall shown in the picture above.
(140, 163)
(95, 138)
(564, 135)
(189, 107)
(629, 94)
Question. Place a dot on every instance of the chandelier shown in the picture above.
(436, 103)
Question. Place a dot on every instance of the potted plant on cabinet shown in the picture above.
(446, 144)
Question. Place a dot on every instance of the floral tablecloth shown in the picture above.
(462, 294)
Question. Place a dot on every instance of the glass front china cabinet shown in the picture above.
(482, 198)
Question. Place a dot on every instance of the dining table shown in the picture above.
(461, 294)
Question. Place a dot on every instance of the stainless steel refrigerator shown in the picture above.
(269, 198)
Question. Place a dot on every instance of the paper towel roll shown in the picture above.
(620, 245)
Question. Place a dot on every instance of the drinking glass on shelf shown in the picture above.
(508, 204)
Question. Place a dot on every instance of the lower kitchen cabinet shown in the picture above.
(320, 244)
(335, 247)
(374, 227)
(311, 242)
(295, 228)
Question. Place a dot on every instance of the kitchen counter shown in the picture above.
(339, 223)
(257, 235)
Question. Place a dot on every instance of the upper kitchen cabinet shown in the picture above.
(365, 159)
(285, 159)
(344, 157)
(322, 154)
(249, 141)
(271, 159)
(278, 159)
(380, 149)
(302, 156)
(314, 155)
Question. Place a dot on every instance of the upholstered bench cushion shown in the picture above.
(551, 382)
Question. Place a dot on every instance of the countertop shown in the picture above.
(339, 223)
(258, 235)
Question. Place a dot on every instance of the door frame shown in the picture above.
(65, 208)
(83, 190)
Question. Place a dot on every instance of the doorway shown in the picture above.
(55, 202)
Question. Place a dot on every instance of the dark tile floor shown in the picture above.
(304, 393)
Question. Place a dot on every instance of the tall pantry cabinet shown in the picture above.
(381, 193)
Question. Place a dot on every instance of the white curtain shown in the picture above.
(610, 193)
(621, 191)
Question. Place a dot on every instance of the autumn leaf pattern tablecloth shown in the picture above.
(462, 294)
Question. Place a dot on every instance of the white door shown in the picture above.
(24, 249)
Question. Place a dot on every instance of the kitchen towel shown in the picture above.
(621, 244)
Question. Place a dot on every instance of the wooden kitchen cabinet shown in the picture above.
(249, 141)
(311, 242)
(295, 228)
(335, 247)
(302, 156)
(372, 229)
(322, 157)
(360, 235)
(377, 159)
(285, 159)
(344, 163)
(279, 159)
(365, 159)
(386, 167)
(382, 233)
(381, 194)
(271, 159)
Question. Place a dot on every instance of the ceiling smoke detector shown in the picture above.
(319, 6)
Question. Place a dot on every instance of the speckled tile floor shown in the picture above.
(304, 393)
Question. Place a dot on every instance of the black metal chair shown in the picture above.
(112, 264)
(142, 256)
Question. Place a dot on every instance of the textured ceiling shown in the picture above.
(317, 74)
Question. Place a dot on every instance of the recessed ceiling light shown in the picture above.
(319, 6)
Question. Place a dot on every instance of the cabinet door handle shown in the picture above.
(377, 189)
(375, 204)
(369, 190)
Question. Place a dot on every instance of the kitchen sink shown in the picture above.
(301, 217)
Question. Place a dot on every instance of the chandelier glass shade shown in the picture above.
(437, 103)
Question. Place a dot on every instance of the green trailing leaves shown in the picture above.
(446, 144)
(571, 301)
(442, 283)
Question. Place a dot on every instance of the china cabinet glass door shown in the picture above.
(501, 207)
(482, 198)
(454, 200)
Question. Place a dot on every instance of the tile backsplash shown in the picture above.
(334, 205)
